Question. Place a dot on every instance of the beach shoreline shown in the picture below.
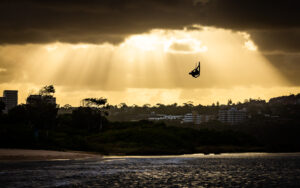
(43, 155)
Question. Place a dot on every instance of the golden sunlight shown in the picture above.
(147, 68)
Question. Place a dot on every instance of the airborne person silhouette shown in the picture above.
(196, 72)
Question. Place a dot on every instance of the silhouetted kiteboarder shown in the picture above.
(196, 72)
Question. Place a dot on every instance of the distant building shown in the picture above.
(193, 117)
(196, 118)
(206, 118)
(232, 116)
(159, 117)
(10, 99)
(34, 99)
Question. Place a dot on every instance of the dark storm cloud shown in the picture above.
(86, 21)
(111, 20)
(277, 40)
(288, 65)
(274, 25)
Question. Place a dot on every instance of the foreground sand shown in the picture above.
(25, 154)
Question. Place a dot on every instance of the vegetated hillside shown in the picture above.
(272, 128)
(129, 138)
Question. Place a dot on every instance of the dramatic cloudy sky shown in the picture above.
(140, 52)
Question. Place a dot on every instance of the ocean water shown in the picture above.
(225, 170)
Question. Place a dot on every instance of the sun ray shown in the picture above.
(156, 63)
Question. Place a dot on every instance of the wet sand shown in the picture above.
(32, 155)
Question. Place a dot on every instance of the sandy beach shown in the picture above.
(26, 154)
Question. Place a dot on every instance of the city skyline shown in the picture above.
(52, 99)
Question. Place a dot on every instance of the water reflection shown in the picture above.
(197, 170)
(201, 155)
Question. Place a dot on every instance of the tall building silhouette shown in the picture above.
(10, 99)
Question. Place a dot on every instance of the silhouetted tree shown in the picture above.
(88, 118)
(67, 106)
(188, 104)
(95, 115)
(229, 102)
(122, 105)
(19, 113)
(146, 106)
(47, 90)
(42, 111)
(42, 115)
(94, 102)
